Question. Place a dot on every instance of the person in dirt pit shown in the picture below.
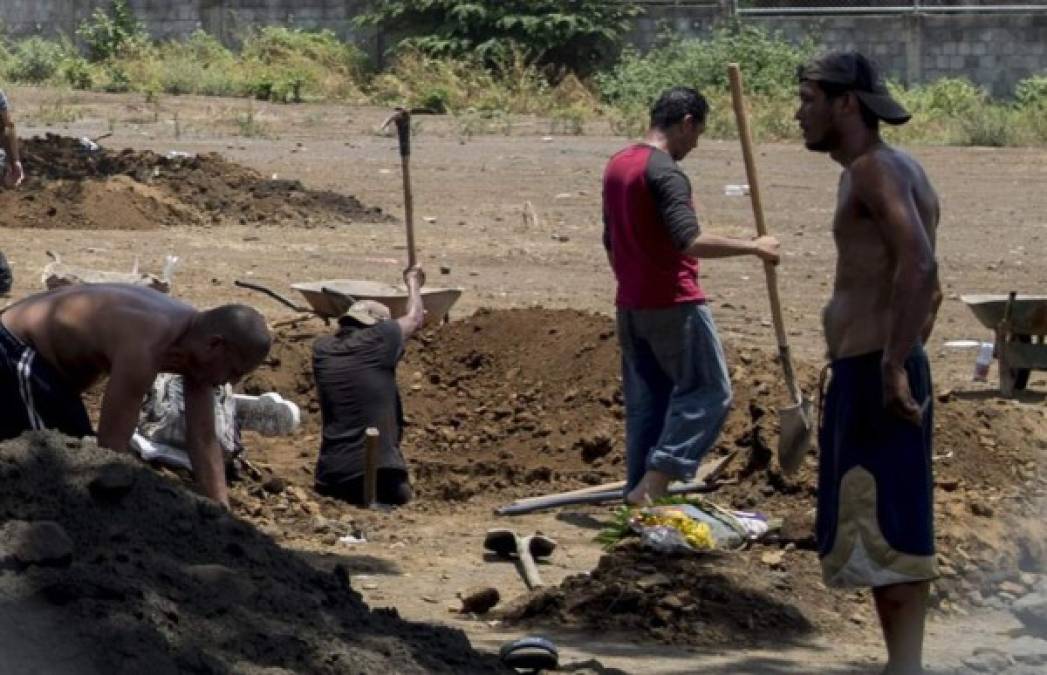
(875, 511)
(674, 377)
(55, 345)
(355, 373)
(12, 178)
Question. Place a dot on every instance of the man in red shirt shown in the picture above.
(677, 391)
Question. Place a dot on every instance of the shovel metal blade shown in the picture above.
(796, 435)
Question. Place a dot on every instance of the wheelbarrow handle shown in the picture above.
(272, 294)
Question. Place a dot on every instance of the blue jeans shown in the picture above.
(676, 388)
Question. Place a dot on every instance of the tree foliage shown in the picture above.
(107, 33)
(578, 35)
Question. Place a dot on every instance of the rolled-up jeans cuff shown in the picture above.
(677, 468)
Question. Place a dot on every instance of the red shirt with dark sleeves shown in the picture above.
(649, 220)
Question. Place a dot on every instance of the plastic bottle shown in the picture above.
(982, 363)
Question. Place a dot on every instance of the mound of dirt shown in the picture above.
(706, 600)
(68, 186)
(525, 400)
(522, 401)
(153, 579)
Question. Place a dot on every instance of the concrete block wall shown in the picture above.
(177, 18)
(995, 51)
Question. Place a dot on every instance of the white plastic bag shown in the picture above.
(161, 430)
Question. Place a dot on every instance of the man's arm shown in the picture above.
(936, 303)
(708, 245)
(415, 316)
(913, 285)
(129, 381)
(13, 174)
(672, 195)
(204, 451)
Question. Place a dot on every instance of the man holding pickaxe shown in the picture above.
(355, 372)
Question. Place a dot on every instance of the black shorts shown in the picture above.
(34, 396)
(875, 522)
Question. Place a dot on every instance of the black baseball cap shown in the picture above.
(860, 75)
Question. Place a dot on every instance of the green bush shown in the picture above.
(768, 66)
(947, 96)
(1032, 92)
(989, 125)
(76, 72)
(577, 35)
(416, 79)
(35, 60)
(287, 64)
(107, 34)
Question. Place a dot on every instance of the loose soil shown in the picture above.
(71, 187)
(162, 581)
(470, 446)
(528, 401)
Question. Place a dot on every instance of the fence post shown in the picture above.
(914, 47)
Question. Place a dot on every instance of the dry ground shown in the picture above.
(470, 193)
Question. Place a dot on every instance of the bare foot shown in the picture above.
(654, 485)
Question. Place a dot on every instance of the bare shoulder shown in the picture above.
(885, 166)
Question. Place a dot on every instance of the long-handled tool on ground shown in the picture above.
(402, 119)
(706, 480)
(506, 544)
(794, 420)
(591, 498)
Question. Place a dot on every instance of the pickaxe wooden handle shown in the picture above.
(402, 119)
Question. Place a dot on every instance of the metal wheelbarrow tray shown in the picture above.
(343, 292)
(1020, 324)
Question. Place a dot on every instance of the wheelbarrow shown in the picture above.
(330, 298)
(1020, 324)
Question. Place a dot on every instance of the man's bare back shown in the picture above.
(858, 316)
(131, 334)
(80, 329)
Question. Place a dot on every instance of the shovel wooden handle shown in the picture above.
(734, 73)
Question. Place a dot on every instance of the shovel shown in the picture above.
(505, 544)
(795, 419)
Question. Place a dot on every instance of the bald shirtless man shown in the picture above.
(55, 345)
(875, 512)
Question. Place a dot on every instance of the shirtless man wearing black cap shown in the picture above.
(875, 507)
